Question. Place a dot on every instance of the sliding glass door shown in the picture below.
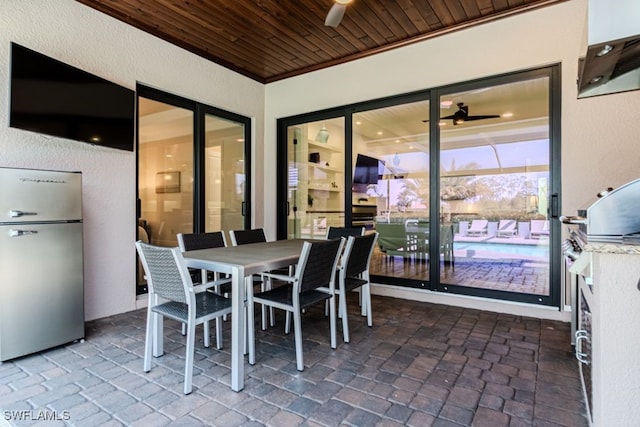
(165, 171)
(396, 138)
(192, 169)
(495, 193)
(461, 183)
(225, 178)
(315, 177)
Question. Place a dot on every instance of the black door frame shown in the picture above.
(199, 110)
(433, 95)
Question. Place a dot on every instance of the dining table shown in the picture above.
(241, 263)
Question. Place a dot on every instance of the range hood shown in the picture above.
(612, 61)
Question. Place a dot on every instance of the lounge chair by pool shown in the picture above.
(478, 227)
(539, 228)
(506, 228)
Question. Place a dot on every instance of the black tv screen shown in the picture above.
(366, 170)
(54, 98)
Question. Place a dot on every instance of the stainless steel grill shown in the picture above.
(363, 215)
(613, 217)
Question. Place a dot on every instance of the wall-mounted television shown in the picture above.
(367, 170)
(54, 98)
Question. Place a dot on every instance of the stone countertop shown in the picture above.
(612, 248)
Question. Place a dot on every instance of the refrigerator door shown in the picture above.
(41, 287)
(28, 195)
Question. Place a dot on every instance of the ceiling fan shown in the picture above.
(334, 17)
(462, 115)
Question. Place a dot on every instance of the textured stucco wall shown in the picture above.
(94, 42)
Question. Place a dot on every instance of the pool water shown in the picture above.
(512, 249)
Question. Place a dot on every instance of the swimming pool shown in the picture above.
(504, 248)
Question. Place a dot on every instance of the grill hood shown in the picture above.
(612, 61)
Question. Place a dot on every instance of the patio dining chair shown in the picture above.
(244, 237)
(256, 235)
(208, 280)
(169, 280)
(312, 282)
(336, 232)
(354, 274)
(392, 241)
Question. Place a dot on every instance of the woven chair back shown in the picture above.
(195, 241)
(244, 237)
(163, 273)
(358, 254)
(319, 264)
(337, 232)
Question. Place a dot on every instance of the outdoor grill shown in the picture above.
(363, 215)
(612, 218)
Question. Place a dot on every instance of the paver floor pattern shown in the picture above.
(421, 364)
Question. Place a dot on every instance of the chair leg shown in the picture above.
(249, 330)
(287, 323)
(158, 340)
(297, 328)
(332, 320)
(207, 335)
(265, 286)
(342, 308)
(366, 289)
(264, 318)
(188, 368)
(219, 332)
(149, 340)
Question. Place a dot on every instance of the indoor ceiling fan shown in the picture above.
(462, 115)
(334, 17)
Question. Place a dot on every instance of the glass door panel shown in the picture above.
(165, 171)
(165, 175)
(315, 185)
(225, 176)
(391, 183)
(494, 188)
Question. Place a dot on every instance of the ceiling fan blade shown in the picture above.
(492, 116)
(334, 17)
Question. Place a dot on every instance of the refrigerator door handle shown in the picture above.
(17, 214)
(18, 233)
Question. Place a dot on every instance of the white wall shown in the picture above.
(600, 136)
(94, 42)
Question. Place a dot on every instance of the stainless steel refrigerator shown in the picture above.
(41, 265)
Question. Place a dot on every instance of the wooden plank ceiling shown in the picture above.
(270, 40)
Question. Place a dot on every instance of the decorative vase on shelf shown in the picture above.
(323, 135)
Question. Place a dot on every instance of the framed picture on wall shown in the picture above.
(168, 182)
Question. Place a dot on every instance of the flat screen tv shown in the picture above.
(54, 98)
(366, 170)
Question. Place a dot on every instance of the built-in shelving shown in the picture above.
(319, 194)
(323, 146)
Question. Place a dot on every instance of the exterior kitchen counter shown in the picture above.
(612, 248)
(614, 300)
